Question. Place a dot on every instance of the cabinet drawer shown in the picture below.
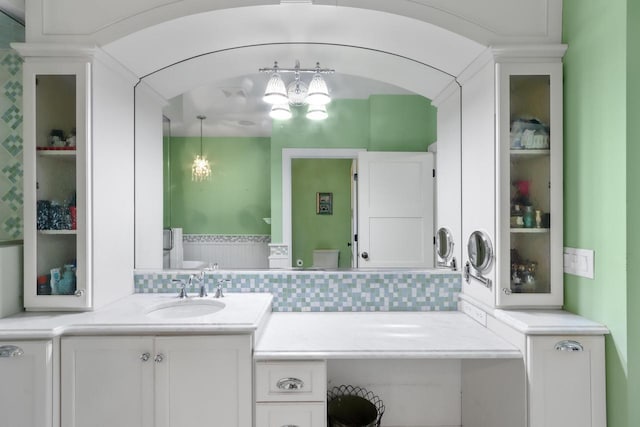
(291, 414)
(291, 381)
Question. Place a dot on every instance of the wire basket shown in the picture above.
(349, 390)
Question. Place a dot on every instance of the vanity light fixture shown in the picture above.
(317, 112)
(315, 95)
(200, 170)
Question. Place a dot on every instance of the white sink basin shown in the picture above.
(185, 308)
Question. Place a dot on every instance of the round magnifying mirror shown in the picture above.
(480, 251)
(444, 244)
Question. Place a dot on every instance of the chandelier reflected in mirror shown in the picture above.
(281, 96)
(200, 170)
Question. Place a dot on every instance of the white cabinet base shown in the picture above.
(26, 385)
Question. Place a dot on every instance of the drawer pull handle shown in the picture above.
(568, 345)
(10, 351)
(290, 384)
(290, 425)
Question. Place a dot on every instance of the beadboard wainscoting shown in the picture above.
(228, 251)
(327, 291)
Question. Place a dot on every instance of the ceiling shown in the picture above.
(13, 8)
(234, 106)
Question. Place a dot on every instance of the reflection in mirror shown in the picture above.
(239, 211)
(231, 219)
(444, 249)
(480, 253)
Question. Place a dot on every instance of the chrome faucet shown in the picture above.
(203, 285)
(219, 293)
(183, 288)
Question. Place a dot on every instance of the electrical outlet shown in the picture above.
(579, 262)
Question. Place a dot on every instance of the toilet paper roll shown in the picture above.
(299, 263)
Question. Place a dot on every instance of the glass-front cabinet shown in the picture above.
(56, 156)
(529, 220)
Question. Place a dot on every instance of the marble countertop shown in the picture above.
(379, 335)
(243, 313)
(549, 322)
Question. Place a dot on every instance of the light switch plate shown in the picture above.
(579, 262)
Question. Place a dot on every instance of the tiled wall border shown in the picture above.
(328, 291)
(226, 238)
(11, 164)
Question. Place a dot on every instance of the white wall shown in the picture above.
(11, 279)
(148, 173)
(448, 176)
(112, 183)
(478, 165)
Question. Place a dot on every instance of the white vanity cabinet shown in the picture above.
(512, 175)
(291, 393)
(566, 381)
(158, 381)
(56, 161)
(26, 385)
(529, 160)
(78, 170)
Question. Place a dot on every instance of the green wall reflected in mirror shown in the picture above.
(246, 183)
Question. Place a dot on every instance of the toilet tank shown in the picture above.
(325, 258)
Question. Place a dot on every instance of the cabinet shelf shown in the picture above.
(530, 153)
(57, 231)
(57, 154)
(530, 230)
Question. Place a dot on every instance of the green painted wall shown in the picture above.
(236, 198)
(633, 208)
(247, 181)
(381, 123)
(310, 230)
(409, 119)
(595, 177)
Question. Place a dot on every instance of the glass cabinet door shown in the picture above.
(55, 199)
(530, 206)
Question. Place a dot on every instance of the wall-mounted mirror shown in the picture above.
(444, 243)
(234, 219)
(480, 254)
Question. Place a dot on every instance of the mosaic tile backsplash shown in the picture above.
(327, 291)
(11, 170)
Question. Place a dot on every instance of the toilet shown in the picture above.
(325, 258)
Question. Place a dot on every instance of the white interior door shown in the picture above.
(354, 214)
(395, 209)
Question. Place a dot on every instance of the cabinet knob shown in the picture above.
(10, 351)
(569, 345)
(507, 291)
(145, 357)
(365, 256)
(79, 293)
(159, 358)
(290, 384)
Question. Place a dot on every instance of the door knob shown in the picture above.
(365, 255)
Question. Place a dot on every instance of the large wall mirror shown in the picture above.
(382, 102)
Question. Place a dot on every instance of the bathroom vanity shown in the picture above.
(145, 361)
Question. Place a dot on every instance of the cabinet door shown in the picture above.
(529, 211)
(56, 156)
(26, 384)
(566, 381)
(203, 381)
(107, 381)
